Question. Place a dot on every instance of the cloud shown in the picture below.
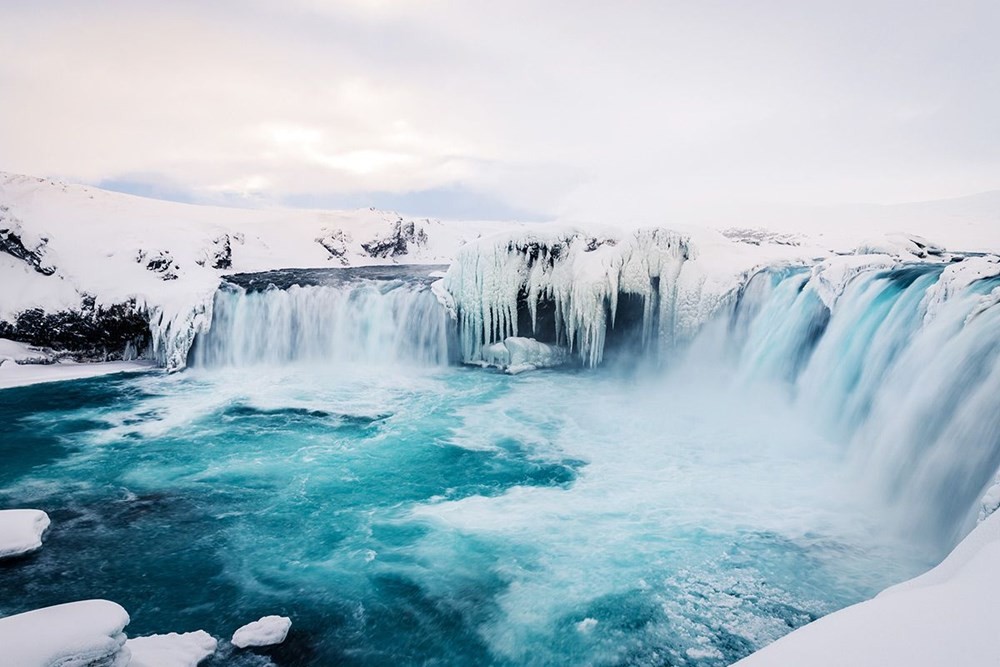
(587, 110)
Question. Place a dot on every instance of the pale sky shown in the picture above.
(587, 110)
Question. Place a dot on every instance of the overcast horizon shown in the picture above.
(567, 110)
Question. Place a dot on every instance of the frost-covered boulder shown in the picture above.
(89, 633)
(21, 531)
(265, 631)
(516, 355)
(171, 650)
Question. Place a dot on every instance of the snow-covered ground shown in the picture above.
(19, 375)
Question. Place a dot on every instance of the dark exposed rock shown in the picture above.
(593, 243)
(12, 243)
(220, 254)
(760, 236)
(162, 263)
(335, 243)
(534, 251)
(412, 274)
(223, 256)
(92, 333)
(397, 242)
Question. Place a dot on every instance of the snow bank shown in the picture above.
(12, 352)
(265, 631)
(18, 375)
(78, 634)
(21, 531)
(944, 617)
(171, 650)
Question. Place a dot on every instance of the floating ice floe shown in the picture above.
(88, 633)
(21, 531)
(265, 631)
(171, 650)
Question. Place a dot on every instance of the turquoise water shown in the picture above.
(442, 515)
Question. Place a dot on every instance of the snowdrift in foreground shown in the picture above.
(944, 617)
(84, 634)
(21, 531)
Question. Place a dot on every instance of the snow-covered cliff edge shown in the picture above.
(108, 276)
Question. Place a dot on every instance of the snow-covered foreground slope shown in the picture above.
(944, 617)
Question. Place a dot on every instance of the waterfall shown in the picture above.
(904, 366)
(371, 321)
(900, 361)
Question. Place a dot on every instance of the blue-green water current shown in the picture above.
(442, 515)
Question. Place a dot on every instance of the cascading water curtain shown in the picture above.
(904, 365)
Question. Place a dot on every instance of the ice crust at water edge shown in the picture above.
(21, 531)
(265, 631)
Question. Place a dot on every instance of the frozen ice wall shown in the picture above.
(574, 290)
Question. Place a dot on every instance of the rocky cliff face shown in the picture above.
(92, 333)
